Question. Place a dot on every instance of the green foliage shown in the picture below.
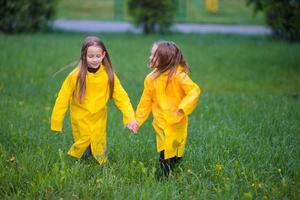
(283, 16)
(231, 12)
(153, 15)
(26, 15)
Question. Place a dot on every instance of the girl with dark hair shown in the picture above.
(171, 96)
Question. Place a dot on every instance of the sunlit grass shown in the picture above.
(243, 138)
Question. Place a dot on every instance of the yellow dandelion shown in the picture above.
(219, 168)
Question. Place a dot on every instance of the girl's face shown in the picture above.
(153, 60)
(94, 56)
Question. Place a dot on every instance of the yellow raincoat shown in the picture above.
(88, 119)
(171, 128)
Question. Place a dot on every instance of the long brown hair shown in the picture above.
(83, 65)
(168, 57)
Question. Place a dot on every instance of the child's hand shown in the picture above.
(133, 126)
(179, 112)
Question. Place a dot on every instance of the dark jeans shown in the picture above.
(168, 165)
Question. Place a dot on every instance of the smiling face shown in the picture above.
(94, 56)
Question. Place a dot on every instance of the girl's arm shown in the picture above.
(145, 105)
(61, 104)
(192, 91)
(122, 101)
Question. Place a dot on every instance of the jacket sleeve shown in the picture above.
(62, 104)
(145, 105)
(192, 91)
(122, 101)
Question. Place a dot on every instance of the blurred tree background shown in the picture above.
(196, 11)
(26, 15)
(283, 16)
(153, 15)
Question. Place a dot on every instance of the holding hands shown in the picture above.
(132, 126)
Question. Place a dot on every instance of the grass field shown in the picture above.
(230, 11)
(243, 138)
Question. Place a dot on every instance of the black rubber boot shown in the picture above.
(165, 166)
(87, 153)
(174, 162)
(164, 170)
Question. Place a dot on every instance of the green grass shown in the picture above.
(92, 9)
(230, 11)
(243, 138)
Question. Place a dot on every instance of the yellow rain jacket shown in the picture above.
(171, 128)
(88, 119)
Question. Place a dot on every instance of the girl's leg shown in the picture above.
(175, 161)
(87, 153)
(168, 165)
(165, 165)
